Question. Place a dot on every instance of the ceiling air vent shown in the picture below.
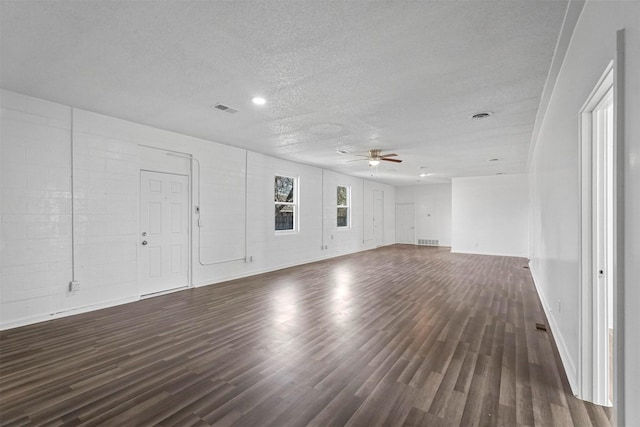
(225, 108)
(482, 115)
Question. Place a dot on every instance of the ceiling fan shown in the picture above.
(375, 157)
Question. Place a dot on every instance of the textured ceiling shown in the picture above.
(401, 76)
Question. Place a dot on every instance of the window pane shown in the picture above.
(342, 196)
(343, 214)
(283, 189)
(284, 217)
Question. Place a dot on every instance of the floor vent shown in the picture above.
(541, 327)
(427, 242)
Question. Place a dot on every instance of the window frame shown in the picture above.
(347, 207)
(294, 204)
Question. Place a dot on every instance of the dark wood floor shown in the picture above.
(400, 335)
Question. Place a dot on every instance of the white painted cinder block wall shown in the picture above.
(36, 206)
(108, 153)
(432, 205)
(555, 205)
(490, 215)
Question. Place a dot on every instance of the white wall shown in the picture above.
(490, 215)
(432, 204)
(235, 189)
(36, 205)
(555, 208)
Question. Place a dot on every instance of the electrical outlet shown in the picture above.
(74, 286)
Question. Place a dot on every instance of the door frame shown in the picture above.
(592, 302)
(189, 230)
(414, 221)
(375, 241)
(619, 400)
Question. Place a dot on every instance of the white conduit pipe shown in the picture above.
(193, 159)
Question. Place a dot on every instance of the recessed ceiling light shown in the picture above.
(500, 173)
(258, 100)
(423, 175)
(493, 160)
(482, 115)
(343, 151)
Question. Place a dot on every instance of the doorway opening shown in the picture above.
(598, 251)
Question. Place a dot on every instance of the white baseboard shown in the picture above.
(457, 251)
(221, 279)
(92, 307)
(24, 321)
(567, 362)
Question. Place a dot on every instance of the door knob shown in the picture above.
(144, 243)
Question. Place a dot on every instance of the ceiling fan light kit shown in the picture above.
(375, 157)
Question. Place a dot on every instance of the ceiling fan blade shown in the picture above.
(391, 160)
(357, 160)
(388, 155)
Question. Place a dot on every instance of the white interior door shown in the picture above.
(378, 217)
(164, 232)
(405, 224)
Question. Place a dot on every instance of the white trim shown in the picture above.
(565, 355)
(589, 328)
(30, 320)
(166, 291)
(229, 277)
(619, 400)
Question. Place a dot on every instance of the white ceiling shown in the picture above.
(401, 76)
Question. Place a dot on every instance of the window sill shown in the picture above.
(285, 232)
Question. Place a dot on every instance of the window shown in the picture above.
(285, 200)
(343, 206)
